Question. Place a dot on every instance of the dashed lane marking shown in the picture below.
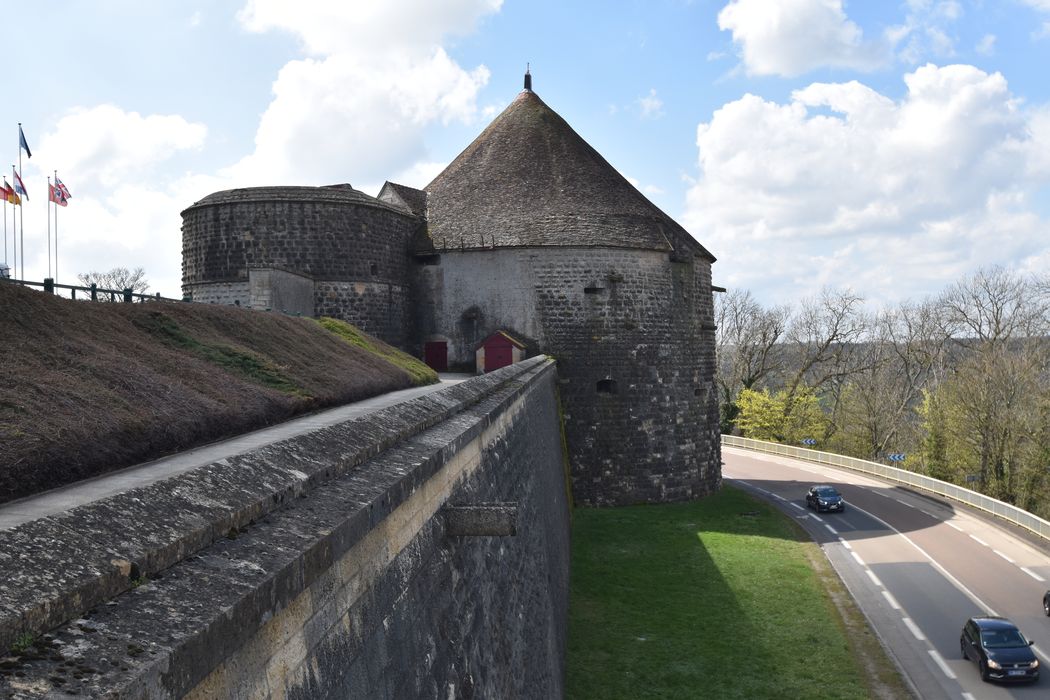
(857, 557)
(891, 600)
(1031, 573)
(873, 577)
(952, 525)
(944, 667)
(914, 629)
(846, 544)
(1004, 556)
(831, 529)
(795, 505)
(978, 540)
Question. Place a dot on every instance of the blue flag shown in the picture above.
(22, 142)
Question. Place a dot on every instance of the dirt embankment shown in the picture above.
(86, 388)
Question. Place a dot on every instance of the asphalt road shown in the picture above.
(918, 568)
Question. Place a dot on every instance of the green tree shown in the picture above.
(783, 417)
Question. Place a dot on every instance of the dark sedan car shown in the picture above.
(1000, 650)
(825, 498)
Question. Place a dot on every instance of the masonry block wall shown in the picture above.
(632, 332)
(352, 245)
(318, 567)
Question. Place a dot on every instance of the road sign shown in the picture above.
(896, 457)
(809, 441)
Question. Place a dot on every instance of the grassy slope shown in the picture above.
(719, 598)
(87, 388)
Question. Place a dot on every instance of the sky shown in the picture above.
(888, 147)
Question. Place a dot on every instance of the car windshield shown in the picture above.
(827, 493)
(1003, 639)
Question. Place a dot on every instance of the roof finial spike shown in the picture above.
(528, 78)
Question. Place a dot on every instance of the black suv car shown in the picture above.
(1000, 650)
(825, 497)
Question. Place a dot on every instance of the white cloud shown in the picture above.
(359, 108)
(791, 37)
(986, 46)
(896, 196)
(651, 106)
(106, 145)
(123, 211)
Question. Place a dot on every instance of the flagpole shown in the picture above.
(56, 231)
(14, 231)
(21, 219)
(49, 226)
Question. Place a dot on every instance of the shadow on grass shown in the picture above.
(714, 598)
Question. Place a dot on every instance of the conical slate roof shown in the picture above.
(530, 180)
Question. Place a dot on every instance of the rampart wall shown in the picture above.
(323, 566)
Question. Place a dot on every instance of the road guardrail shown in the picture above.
(1012, 514)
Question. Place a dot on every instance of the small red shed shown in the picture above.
(498, 350)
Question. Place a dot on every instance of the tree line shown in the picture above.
(958, 382)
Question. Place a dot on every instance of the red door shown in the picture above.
(435, 354)
(497, 356)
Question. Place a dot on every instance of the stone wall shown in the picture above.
(379, 309)
(228, 292)
(318, 567)
(280, 290)
(633, 334)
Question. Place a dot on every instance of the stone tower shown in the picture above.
(530, 230)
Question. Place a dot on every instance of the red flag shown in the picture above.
(54, 194)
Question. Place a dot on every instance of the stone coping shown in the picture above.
(54, 569)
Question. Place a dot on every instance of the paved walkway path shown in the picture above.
(66, 497)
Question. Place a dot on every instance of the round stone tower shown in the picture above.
(348, 250)
(532, 232)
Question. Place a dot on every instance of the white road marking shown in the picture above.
(778, 497)
(795, 505)
(968, 696)
(978, 540)
(817, 518)
(891, 600)
(944, 572)
(1031, 573)
(944, 667)
(831, 529)
(1004, 556)
(873, 577)
(857, 557)
(903, 503)
(845, 544)
(952, 525)
(914, 628)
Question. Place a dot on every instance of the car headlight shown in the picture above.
(992, 663)
(822, 502)
(1034, 664)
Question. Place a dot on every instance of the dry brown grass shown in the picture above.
(87, 388)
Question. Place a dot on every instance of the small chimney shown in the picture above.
(528, 78)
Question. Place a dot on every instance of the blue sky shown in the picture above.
(889, 147)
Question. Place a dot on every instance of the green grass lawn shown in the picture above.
(724, 597)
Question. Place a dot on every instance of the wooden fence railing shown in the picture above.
(93, 292)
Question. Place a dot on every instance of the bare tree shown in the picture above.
(747, 340)
(117, 279)
(992, 405)
(823, 339)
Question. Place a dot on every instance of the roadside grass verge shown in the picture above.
(421, 374)
(724, 597)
